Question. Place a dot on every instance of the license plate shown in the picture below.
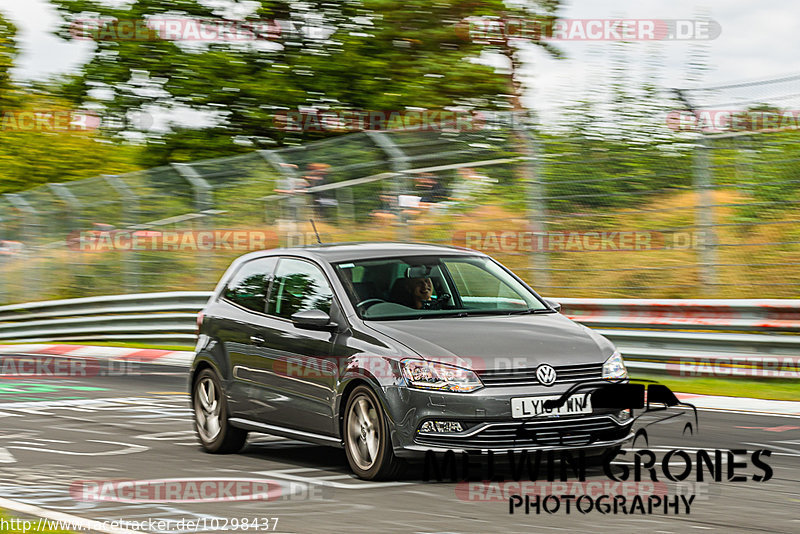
(534, 406)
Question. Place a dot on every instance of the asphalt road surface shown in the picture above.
(61, 440)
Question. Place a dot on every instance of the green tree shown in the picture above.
(33, 154)
(8, 52)
(367, 54)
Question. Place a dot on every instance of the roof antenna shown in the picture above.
(314, 226)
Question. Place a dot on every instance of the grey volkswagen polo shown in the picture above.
(394, 349)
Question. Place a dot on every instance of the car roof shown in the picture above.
(336, 252)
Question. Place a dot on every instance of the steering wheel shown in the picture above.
(368, 302)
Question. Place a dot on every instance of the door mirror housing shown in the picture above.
(313, 320)
(553, 304)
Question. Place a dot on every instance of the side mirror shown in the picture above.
(553, 304)
(313, 319)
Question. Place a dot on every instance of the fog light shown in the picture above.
(441, 426)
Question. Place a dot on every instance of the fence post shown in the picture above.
(71, 216)
(704, 216)
(296, 200)
(28, 234)
(536, 205)
(130, 211)
(398, 162)
(203, 198)
(203, 201)
(345, 204)
(4, 263)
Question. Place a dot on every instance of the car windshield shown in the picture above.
(429, 287)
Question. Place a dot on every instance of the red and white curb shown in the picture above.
(181, 358)
(742, 404)
(178, 358)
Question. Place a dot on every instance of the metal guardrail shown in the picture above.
(700, 314)
(645, 331)
(168, 317)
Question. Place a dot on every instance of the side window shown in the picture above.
(249, 285)
(299, 286)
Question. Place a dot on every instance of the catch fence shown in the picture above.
(691, 216)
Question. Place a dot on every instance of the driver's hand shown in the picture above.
(432, 304)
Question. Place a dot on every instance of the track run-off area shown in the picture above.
(121, 451)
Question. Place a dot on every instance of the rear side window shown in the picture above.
(248, 287)
(299, 286)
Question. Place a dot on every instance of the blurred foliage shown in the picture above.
(38, 155)
(8, 52)
(349, 55)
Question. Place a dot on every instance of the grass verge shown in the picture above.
(17, 525)
(123, 344)
(766, 388)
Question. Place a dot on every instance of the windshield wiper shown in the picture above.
(531, 311)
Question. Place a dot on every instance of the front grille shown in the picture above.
(561, 431)
(527, 377)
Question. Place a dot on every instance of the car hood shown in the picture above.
(499, 342)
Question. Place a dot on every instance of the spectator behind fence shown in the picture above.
(324, 201)
(426, 192)
(295, 187)
(428, 188)
(387, 210)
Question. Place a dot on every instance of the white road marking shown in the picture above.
(6, 457)
(168, 435)
(746, 412)
(322, 482)
(294, 470)
(766, 446)
(81, 523)
(20, 435)
(129, 448)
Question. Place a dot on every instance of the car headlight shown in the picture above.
(614, 367)
(431, 375)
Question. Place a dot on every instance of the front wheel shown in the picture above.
(367, 442)
(211, 416)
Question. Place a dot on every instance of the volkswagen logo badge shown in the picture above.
(546, 375)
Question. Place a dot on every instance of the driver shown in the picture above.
(414, 292)
(421, 290)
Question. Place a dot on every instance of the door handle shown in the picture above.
(257, 340)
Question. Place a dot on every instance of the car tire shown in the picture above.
(211, 424)
(367, 442)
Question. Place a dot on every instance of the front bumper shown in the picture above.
(490, 426)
